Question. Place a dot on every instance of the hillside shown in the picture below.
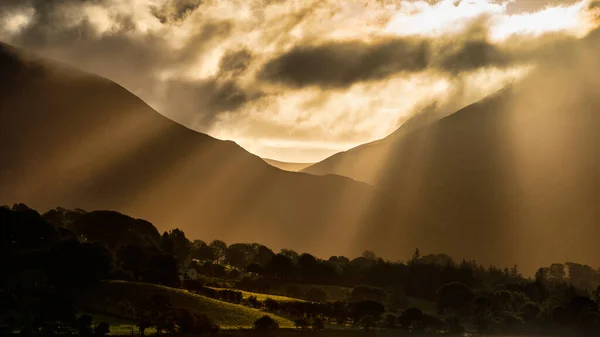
(514, 177)
(107, 295)
(292, 167)
(77, 140)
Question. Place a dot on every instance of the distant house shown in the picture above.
(188, 273)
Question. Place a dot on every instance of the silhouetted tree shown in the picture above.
(101, 329)
(390, 321)
(316, 295)
(453, 296)
(255, 269)
(318, 324)
(301, 323)
(367, 322)
(219, 247)
(281, 265)
(265, 325)
(83, 325)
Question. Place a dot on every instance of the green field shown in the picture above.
(120, 326)
(261, 296)
(107, 298)
(338, 293)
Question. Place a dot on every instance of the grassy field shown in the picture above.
(334, 293)
(107, 296)
(338, 293)
(262, 297)
(120, 326)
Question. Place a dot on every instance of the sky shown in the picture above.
(299, 80)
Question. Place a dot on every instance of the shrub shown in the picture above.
(265, 325)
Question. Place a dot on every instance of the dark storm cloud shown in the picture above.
(175, 10)
(471, 55)
(341, 64)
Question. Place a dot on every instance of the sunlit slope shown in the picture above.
(108, 295)
(286, 166)
(76, 140)
(514, 177)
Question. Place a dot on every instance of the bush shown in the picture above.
(301, 323)
(318, 324)
(195, 324)
(294, 291)
(265, 325)
(101, 329)
(253, 301)
(316, 295)
(271, 304)
(390, 321)
(454, 326)
(367, 322)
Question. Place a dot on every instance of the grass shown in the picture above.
(262, 297)
(120, 326)
(334, 293)
(105, 298)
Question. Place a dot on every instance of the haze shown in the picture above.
(298, 81)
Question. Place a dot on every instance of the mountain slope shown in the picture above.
(76, 140)
(514, 177)
(286, 166)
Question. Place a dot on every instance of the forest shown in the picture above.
(57, 267)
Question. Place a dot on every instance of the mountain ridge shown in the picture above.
(81, 141)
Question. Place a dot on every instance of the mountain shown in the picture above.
(76, 140)
(286, 166)
(515, 176)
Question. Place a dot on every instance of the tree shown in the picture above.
(101, 329)
(262, 255)
(367, 322)
(203, 252)
(302, 323)
(255, 269)
(281, 265)
(265, 325)
(556, 273)
(291, 254)
(361, 293)
(453, 297)
(454, 325)
(316, 295)
(195, 324)
(367, 308)
(181, 245)
(390, 321)
(161, 316)
(83, 325)
(412, 318)
(318, 324)
(219, 248)
(416, 256)
(369, 255)
(237, 256)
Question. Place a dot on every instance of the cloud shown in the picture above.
(334, 64)
(340, 64)
(277, 73)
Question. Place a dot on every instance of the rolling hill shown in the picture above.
(76, 140)
(106, 296)
(514, 177)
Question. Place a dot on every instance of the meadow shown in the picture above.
(108, 298)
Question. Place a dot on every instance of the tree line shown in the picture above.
(45, 257)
